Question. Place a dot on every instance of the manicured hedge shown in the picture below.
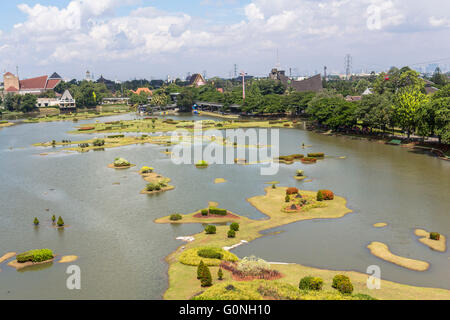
(217, 211)
(435, 236)
(316, 155)
(327, 194)
(210, 229)
(190, 257)
(210, 253)
(35, 256)
(292, 190)
(176, 217)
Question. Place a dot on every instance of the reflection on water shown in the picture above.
(122, 250)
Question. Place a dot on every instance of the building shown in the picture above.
(67, 102)
(197, 80)
(313, 84)
(144, 90)
(36, 85)
(47, 102)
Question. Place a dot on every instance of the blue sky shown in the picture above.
(123, 39)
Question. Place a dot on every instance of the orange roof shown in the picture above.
(12, 89)
(145, 90)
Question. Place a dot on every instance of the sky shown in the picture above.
(153, 39)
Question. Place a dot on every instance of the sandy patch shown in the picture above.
(186, 239)
(68, 259)
(381, 251)
(19, 266)
(438, 245)
(235, 245)
(213, 204)
(7, 256)
(300, 178)
(219, 180)
(380, 225)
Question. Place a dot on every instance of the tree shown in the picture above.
(438, 78)
(407, 104)
(36, 221)
(60, 222)
(185, 100)
(200, 268)
(206, 280)
(374, 111)
(220, 274)
(28, 103)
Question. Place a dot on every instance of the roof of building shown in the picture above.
(311, 84)
(145, 90)
(67, 96)
(12, 89)
(196, 78)
(40, 83)
(8, 74)
(55, 76)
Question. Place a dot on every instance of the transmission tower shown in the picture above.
(235, 71)
(348, 66)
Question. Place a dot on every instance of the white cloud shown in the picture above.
(439, 22)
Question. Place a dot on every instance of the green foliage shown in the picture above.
(220, 274)
(287, 199)
(217, 211)
(311, 283)
(320, 196)
(231, 234)
(435, 236)
(210, 253)
(190, 257)
(210, 229)
(345, 286)
(338, 279)
(274, 186)
(36, 221)
(53, 218)
(206, 280)
(20, 103)
(200, 268)
(146, 169)
(60, 222)
(35, 256)
(234, 226)
(205, 212)
(175, 217)
(98, 143)
(121, 162)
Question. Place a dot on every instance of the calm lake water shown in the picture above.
(121, 251)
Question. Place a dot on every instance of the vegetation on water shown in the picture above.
(60, 222)
(202, 164)
(146, 169)
(36, 221)
(435, 236)
(121, 162)
(40, 255)
(176, 217)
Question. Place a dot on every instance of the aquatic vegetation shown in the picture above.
(36, 221)
(60, 222)
(38, 255)
(300, 173)
(146, 169)
(121, 162)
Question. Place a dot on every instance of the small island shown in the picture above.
(382, 251)
(202, 164)
(156, 182)
(380, 225)
(219, 180)
(433, 240)
(31, 258)
(120, 163)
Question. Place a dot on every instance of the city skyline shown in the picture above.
(123, 40)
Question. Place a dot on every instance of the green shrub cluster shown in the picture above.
(435, 236)
(231, 234)
(98, 143)
(83, 145)
(316, 155)
(234, 226)
(36, 221)
(210, 253)
(320, 196)
(311, 283)
(121, 162)
(116, 136)
(176, 217)
(210, 229)
(60, 222)
(217, 211)
(342, 284)
(205, 212)
(35, 256)
(155, 186)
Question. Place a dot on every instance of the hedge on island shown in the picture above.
(291, 191)
(156, 186)
(327, 194)
(300, 173)
(146, 169)
(309, 160)
(435, 236)
(98, 143)
(316, 155)
(39, 255)
(175, 217)
(191, 257)
(121, 162)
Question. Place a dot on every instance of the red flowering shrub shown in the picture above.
(327, 195)
(309, 160)
(290, 191)
(86, 128)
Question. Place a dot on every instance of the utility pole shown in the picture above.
(325, 73)
(348, 66)
(235, 70)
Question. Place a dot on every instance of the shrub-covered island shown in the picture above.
(156, 182)
(120, 163)
(31, 258)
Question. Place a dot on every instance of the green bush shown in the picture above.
(53, 218)
(210, 229)
(345, 286)
(60, 222)
(287, 199)
(231, 234)
(217, 211)
(220, 274)
(204, 212)
(176, 217)
(319, 196)
(435, 236)
(200, 270)
(209, 253)
(338, 279)
(274, 186)
(35, 256)
(121, 162)
(36, 221)
(316, 155)
(98, 143)
(83, 145)
(311, 283)
(234, 226)
(116, 136)
(206, 279)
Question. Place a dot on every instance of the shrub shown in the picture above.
(150, 187)
(121, 162)
(35, 256)
(83, 145)
(300, 173)
(201, 164)
(217, 211)
(297, 156)
(146, 169)
(116, 136)
(200, 270)
(345, 286)
(311, 283)
(327, 194)
(210, 253)
(309, 160)
(338, 279)
(206, 279)
(220, 274)
(320, 196)
(53, 219)
(287, 199)
(98, 143)
(190, 257)
(435, 236)
(60, 222)
(274, 186)
(316, 155)
(290, 191)
(176, 217)
(231, 234)
(234, 226)
(205, 212)
(210, 229)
